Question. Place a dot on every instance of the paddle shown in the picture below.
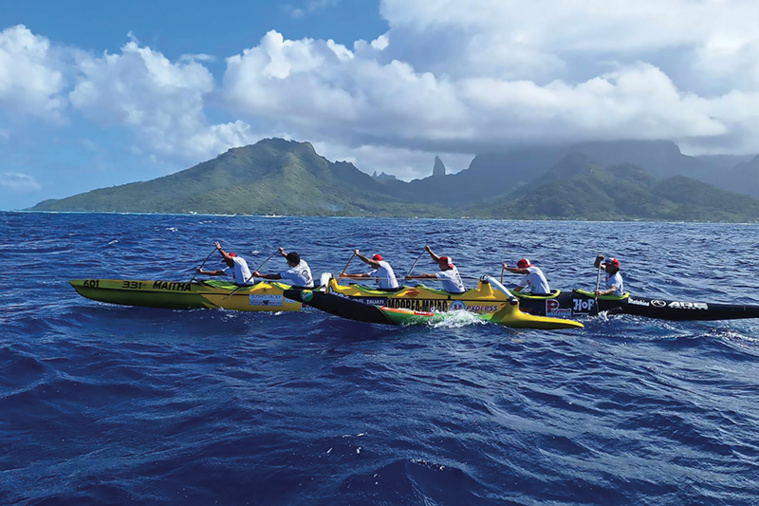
(262, 264)
(251, 276)
(598, 280)
(502, 269)
(598, 283)
(414, 264)
(201, 265)
(346, 266)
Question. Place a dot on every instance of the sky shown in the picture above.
(96, 94)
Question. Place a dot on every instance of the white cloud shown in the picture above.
(31, 79)
(307, 7)
(449, 78)
(464, 77)
(18, 182)
(320, 85)
(202, 57)
(161, 101)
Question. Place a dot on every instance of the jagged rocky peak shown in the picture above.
(439, 168)
(384, 177)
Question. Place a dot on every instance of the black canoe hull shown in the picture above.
(338, 305)
(574, 304)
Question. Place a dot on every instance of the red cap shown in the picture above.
(611, 261)
(377, 257)
(446, 260)
(523, 263)
(230, 254)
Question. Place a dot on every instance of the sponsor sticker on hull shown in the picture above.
(554, 309)
(679, 305)
(266, 300)
(424, 305)
(688, 305)
(436, 305)
(367, 300)
(481, 309)
(583, 306)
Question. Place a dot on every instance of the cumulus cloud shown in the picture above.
(448, 77)
(509, 35)
(18, 182)
(160, 100)
(483, 74)
(31, 77)
(316, 84)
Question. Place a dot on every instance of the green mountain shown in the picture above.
(290, 178)
(490, 174)
(579, 188)
(271, 176)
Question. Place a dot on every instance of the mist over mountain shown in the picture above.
(742, 178)
(661, 159)
(577, 187)
(604, 181)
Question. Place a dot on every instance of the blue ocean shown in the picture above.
(104, 404)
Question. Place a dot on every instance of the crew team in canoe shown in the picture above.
(299, 273)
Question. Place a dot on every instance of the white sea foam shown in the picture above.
(457, 319)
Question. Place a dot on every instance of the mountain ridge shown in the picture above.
(291, 178)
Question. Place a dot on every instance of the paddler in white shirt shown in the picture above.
(237, 268)
(534, 279)
(298, 273)
(448, 275)
(382, 273)
(614, 284)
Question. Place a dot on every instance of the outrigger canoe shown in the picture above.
(269, 296)
(408, 308)
(487, 297)
(583, 303)
(210, 294)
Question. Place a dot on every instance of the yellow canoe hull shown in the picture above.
(511, 316)
(490, 303)
(183, 295)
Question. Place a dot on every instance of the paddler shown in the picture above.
(237, 268)
(534, 279)
(614, 285)
(448, 275)
(381, 273)
(298, 273)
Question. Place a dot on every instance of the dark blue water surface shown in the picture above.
(104, 404)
